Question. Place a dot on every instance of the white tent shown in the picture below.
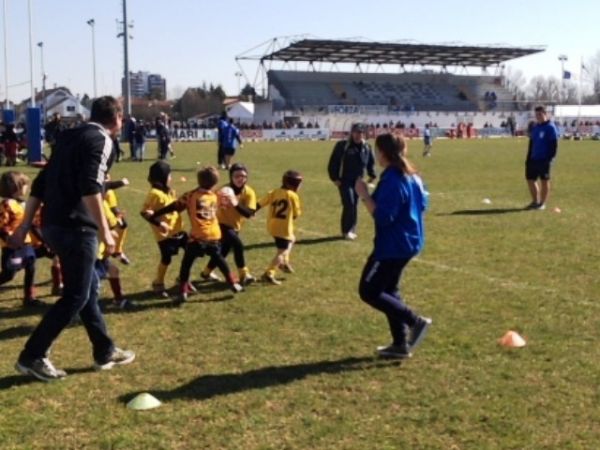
(574, 111)
(241, 111)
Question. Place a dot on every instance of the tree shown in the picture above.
(199, 100)
(248, 91)
(591, 74)
(514, 82)
(545, 90)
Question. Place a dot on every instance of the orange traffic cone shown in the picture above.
(512, 339)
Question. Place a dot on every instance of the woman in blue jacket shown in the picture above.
(397, 207)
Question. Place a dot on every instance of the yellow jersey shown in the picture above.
(110, 197)
(111, 218)
(36, 223)
(230, 216)
(157, 199)
(284, 207)
(201, 206)
(11, 216)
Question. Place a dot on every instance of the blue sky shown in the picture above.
(190, 41)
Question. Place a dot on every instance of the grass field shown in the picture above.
(293, 366)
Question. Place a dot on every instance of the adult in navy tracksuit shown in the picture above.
(231, 134)
(221, 127)
(397, 207)
(543, 144)
(70, 188)
(348, 162)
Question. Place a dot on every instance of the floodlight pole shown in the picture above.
(92, 24)
(5, 10)
(32, 102)
(41, 46)
(127, 92)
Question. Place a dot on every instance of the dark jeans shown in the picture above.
(76, 249)
(379, 288)
(349, 207)
(163, 148)
(220, 155)
(230, 239)
(197, 249)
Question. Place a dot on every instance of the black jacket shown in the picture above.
(77, 168)
(349, 161)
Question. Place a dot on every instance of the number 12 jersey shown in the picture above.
(284, 207)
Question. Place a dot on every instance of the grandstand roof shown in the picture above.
(333, 51)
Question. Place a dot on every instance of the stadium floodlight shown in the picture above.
(92, 24)
(41, 46)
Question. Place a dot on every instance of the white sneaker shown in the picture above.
(350, 236)
(117, 358)
(210, 277)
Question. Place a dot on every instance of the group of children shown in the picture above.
(216, 218)
(215, 215)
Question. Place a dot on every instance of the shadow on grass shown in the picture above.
(16, 332)
(311, 241)
(209, 386)
(319, 240)
(483, 212)
(20, 311)
(11, 381)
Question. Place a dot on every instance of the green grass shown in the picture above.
(293, 367)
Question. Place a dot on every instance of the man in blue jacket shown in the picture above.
(543, 144)
(348, 162)
(231, 135)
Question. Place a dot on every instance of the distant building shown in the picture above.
(146, 85)
(58, 100)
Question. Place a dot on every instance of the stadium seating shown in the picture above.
(398, 92)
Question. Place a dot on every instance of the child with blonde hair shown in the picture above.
(13, 189)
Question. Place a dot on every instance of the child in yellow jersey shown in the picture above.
(231, 218)
(174, 238)
(105, 269)
(205, 234)
(284, 208)
(41, 250)
(110, 197)
(13, 189)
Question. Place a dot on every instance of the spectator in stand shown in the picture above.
(348, 162)
(543, 145)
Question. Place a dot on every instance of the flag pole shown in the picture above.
(579, 94)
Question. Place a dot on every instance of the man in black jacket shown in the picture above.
(349, 161)
(70, 188)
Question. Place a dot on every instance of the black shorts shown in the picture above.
(282, 244)
(170, 246)
(229, 151)
(537, 169)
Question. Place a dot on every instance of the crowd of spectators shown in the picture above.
(491, 99)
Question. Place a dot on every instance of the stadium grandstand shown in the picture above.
(319, 79)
